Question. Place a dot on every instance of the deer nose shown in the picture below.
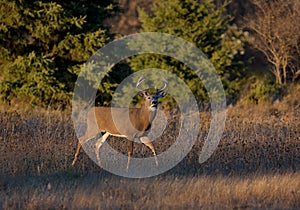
(154, 103)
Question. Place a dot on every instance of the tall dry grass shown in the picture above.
(256, 165)
(94, 191)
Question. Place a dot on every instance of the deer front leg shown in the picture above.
(130, 152)
(145, 140)
(97, 146)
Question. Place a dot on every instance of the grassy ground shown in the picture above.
(103, 191)
(256, 165)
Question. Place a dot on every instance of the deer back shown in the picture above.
(128, 122)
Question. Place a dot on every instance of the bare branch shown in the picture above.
(275, 31)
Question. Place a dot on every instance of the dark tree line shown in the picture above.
(44, 44)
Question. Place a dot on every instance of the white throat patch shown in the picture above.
(152, 108)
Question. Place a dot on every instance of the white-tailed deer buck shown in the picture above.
(138, 127)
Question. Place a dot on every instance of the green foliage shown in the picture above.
(44, 44)
(33, 81)
(263, 90)
(205, 25)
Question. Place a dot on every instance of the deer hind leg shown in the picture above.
(79, 144)
(145, 140)
(130, 152)
(97, 146)
(76, 153)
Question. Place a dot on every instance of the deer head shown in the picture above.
(151, 98)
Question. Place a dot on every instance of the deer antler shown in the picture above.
(158, 90)
(139, 83)
(165, 85)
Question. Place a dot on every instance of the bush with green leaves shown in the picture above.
(262, 89)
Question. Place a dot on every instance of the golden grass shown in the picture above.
(93, 191)
(256, 165)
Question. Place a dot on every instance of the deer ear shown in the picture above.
(162, 93)
(141, 93)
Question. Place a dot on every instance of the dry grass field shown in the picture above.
(256, 165)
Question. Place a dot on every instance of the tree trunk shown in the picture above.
(277, 74)
(284, 68)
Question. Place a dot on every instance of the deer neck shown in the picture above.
(147, 114)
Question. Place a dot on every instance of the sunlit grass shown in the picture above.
(256, 165)
(102, 191)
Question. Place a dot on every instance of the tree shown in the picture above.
(275, 32)
(43, 45)
(205, 25)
